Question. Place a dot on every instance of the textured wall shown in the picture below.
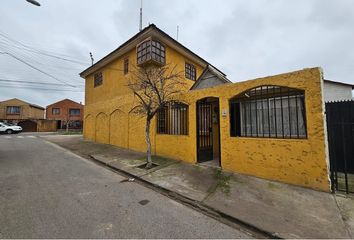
(295, 161)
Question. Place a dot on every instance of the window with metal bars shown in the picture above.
(98, 79)
(151, 50)
(126, 66)
(190, 71)
(269, 112)
(173, 119)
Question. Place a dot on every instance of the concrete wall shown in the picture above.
(296, 161)
(337, 92)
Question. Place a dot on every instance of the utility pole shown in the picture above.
(177, 32)
(141, 16)
(91, 58)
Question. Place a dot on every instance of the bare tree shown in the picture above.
(154, 87)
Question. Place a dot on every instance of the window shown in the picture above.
(98, 79)
(126, 66)
(74, 112)
(173, 119)
(269, 111)
(55, 111)
(151, 50)
(190, 71)
(13, 110)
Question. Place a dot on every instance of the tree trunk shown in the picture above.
(67, 126)
(148, 142)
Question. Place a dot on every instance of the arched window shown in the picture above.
(269, 111)
(173, 119)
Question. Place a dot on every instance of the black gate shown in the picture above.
(340, 128)
(204, 131)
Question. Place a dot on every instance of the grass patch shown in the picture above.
(70, 133)
(158, 160)
(222, 182)
(273, 186)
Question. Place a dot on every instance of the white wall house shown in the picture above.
(337, 91)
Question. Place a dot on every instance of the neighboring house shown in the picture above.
(27, 115)
(66, 112)
(337, 91)
(16, 109)
(270, 127)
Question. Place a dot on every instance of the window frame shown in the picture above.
(13, 107)
(274, 105)
(126, 66)
(97, 79)
(71, 109)
(175, 119)
(55, 109)
(190, 71)
(151, 50)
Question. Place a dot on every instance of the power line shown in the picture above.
(30, 65)
(31, 57)
(31, 82)
(44, 89)
(39, 51)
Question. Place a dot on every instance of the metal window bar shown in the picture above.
(275, 112)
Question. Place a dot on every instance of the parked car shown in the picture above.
(8, 128)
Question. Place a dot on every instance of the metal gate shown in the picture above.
(204, 131)
(340, 128)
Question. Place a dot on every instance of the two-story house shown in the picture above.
(66, 112)
(14, 110)
(271, 127)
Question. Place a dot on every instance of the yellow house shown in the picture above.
(270, 127)
(16, 109)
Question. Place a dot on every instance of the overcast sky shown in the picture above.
(244, 39)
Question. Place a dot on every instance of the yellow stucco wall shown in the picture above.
(295, 161)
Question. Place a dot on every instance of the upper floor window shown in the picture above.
(269, 111)
(55, 111)
(126, 66)
(98, 79)
(15, 110)
(173, 119)
(190, 71)
(151, 50)
(74, 112)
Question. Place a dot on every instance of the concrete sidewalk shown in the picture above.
(283, 210)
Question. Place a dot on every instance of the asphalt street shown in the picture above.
(48, 192)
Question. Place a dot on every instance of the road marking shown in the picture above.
(31, 136)
(19, 136)
(8, 137)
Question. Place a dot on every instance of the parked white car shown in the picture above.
(7, 128)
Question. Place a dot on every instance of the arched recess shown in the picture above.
(89, 127)
(269, 111)
(118, 128)
(102, 128)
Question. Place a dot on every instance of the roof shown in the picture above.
(27, 103)
(66, 99)
(209, 68)
(132, 42)
(340, 83)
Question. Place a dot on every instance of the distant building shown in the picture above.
(16, 109)
(337, 91)
(66, 112)
(27, 115)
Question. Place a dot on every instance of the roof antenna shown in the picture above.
(177, 32)
(91, 56)
(141, 16)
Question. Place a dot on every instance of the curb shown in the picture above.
(205, 209)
